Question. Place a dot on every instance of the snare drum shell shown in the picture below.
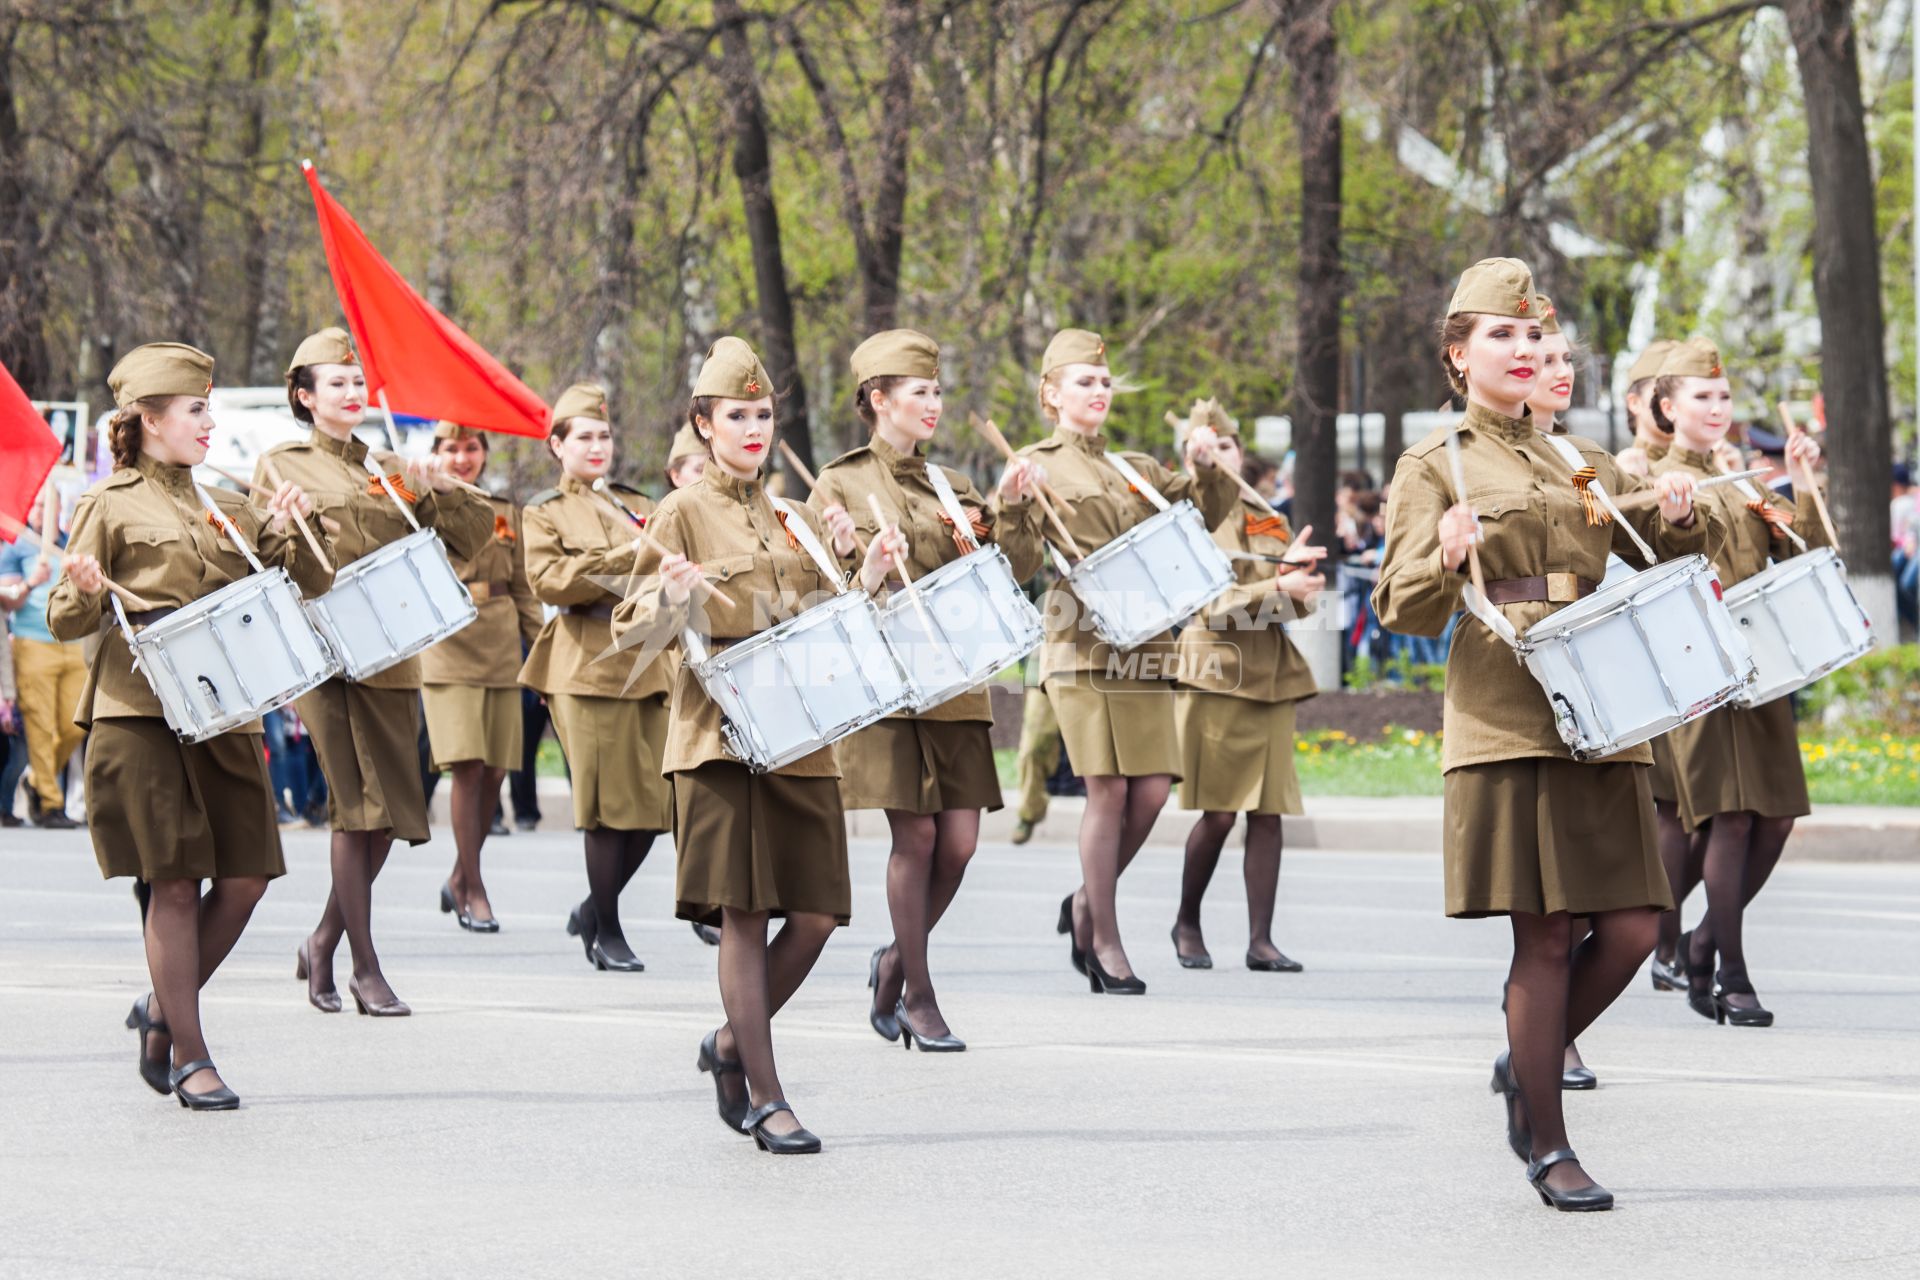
(389, 605)
(1802, 621)
(985, 623)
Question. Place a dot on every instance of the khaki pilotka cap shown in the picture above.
(896, 353)
(1073, 346)
(733, 372)
(1648, 364)
(581, 400)
(1211, 413)
(1694, 358)
(329, 346)
(160, 369)
(444, 430)
(1546, 313)
(686, 444)
(1495, 287)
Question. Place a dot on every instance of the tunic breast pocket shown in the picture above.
(1513, 536)
(148, 551)
(727, 568)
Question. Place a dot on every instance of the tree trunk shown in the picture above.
(23, 283)
(258, 361)
(1314, 58)
(890, 199)
(1846, 285)
(753, 168)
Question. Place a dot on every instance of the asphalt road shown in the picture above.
(536, 1118)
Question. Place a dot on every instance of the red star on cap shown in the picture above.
(1524, 304)
(1717, 371)
(753, 385)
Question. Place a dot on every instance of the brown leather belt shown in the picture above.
(603, 611)
(147, 617)
(1554, 588)
(488, 590)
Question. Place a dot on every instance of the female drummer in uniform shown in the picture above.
(1239, 678)
(169, 812)
(366, 732)
(472, 683)
(611, 719)
(1115, 710)
(1738, 772)
(751, 845)
(932, 772)
(1529, 832)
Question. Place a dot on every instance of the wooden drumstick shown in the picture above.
(794, 464)
(1247, 491)
(328, 523)
(1460, 492)
(306, 531)
(49, 517)
(986, 427)
(913, 592)
(54, 554)
(1041, 487)
(1819, 499)
(640, 531)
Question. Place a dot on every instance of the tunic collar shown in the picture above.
(353, 449)
(716, 478)
(169, 477)
(572, 484)
(1489, 422)
(1095, 445)
(1689, 458)
(893, 458)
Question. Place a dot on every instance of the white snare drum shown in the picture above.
(1802, 622)
(804, 684)
(983, 622)
(1633, 660)
(1158, 573)
(232, 656)
(389, 605)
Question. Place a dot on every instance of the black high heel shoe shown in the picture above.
(1669, 975)
(706, 933)
(1201, 961)
(886, 1024)
(581, 925)
(1586, 1200)
(394, 1008)
(221, 1099)
(1102, 981)
(327, 1001)
(152, 1070)
(1699, 999)
(1725, 1012)
(1282, 963)
(618, 964)
(731, 1113)
(1519, 1134)
(797, 1143)
(1065, 925)
(464, 917)
(909, 1038)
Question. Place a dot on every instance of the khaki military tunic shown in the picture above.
(1742, 759)
(471, 680)
(157, 807)
(1527, 827)
(367, 732)
(941, 758)
(1239, 678)
(1115, 712)
(773, 842)
(609, 709)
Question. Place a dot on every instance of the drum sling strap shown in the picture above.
(1592, 491)
(1138, 481)
(950, 502)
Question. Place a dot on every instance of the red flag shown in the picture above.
(426, 365)
(27, 453)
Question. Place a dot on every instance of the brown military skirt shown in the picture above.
(1124, 728)
(469, 723)
(368, 741)
(758, 842)
(1740, 759)
(162, 809)
(1236, 755)
(1544, 835)
(919, 766)
(613, 748)
(1665, 787)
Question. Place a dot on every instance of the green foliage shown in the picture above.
(1399, 673)
(1873, 695)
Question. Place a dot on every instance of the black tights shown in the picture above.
(929, 859)
(1260, 868)
(187, 937)
(612, 858)
(757, 978)
(476, 794)
(1742, 849)
(1555, 990)
(1120, 814)
(1683, 856)
(357, 858)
